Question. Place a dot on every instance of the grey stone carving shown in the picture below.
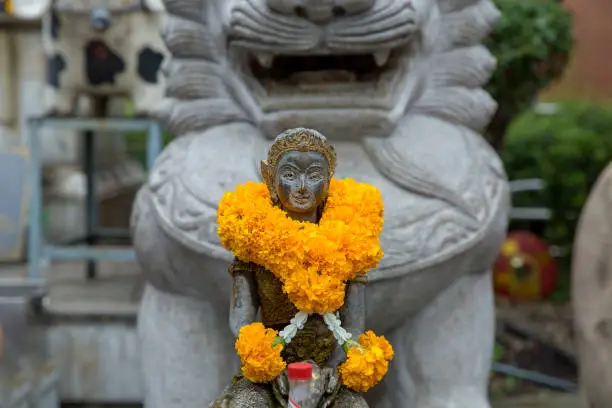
(396, 85)
(591, 283)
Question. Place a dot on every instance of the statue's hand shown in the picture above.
(282, 384)
(332, 386)
(332, 379)
(326, 383)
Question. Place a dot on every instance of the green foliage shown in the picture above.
(568, 151)
(498, 352)
(532, 42)
(136, 143)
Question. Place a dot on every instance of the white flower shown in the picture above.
(295, 324)
(335, 325)
(331, 320)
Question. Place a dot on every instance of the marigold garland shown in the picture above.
(313, 261)
(261, 358)
(366, 363)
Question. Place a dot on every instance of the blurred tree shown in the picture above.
(568, 150)
(532, 42)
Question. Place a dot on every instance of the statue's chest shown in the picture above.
(314, 342)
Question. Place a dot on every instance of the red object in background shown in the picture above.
(524, 269)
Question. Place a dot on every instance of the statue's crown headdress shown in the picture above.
(301, 139)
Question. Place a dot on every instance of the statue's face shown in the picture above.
(301, 181)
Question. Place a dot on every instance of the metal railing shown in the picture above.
(529, 213)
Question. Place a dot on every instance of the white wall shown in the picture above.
(21, 90)
(22, 78)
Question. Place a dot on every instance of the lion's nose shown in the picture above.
(320, 11)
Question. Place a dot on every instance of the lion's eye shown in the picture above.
(289, 175)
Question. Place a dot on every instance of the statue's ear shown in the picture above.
(266, 172)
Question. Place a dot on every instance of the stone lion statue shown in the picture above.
(99, 47)
(396, 86)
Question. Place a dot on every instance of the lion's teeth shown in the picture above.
(265, 60)
(381, 57)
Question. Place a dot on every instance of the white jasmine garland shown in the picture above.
(335, 325)
(295, 324)
(331, 320)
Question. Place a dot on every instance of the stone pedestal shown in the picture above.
(28, 379)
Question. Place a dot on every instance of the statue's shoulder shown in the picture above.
(238, 266)
(257, 271)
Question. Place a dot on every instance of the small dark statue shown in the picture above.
(297, 173)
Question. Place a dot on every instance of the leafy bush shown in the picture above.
(136, 144)
(532, 42)
(568, 150)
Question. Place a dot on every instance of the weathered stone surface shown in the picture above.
(592, 293)
(403, 112)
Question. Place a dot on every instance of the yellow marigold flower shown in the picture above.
(313, 261)
(367, 363)
(261, 360)
(369, 339)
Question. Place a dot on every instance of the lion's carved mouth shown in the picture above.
(310, 72)
(318, 68)
(360, 54)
